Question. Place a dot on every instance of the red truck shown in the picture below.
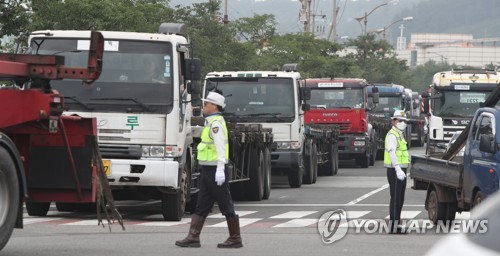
(343, 101)
(44, 156)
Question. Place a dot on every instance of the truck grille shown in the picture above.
(120, 151)
(344, 126)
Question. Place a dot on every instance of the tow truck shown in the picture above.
(44, 156)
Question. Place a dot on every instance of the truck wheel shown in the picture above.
(363, 161)
(309, 165)
(267, 174)
(315, 165)
(335, 160)
(65, 207)
(420, 139)
(478, 198)
(255, 189)
(295, 178)
(436, 211)
(173, 205)
(380, 154)
(37, 208)
(451, 210)
(9, 196)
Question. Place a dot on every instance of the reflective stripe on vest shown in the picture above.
(207, 154)
(401, 151)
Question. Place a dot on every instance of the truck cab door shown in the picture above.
(484, 166)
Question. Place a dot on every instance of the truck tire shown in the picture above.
(315, 173)
(328, 168)
(267, 174)
(478, 198)
(363, 161)
(436, 210)
(335, 160)
(295, 178)
(309, 163)
(373, 152)
(420, 139)
(451, 210)
(39, 209)
(65, 207)
(9, 196)
(173, 204)
(255, 186)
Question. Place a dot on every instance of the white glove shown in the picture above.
(399, 173)
(220, 177)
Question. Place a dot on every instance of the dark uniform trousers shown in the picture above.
(209, 193)
(397, 189)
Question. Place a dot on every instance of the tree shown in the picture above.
(421, 76)
(114, 15)
(377, 60)
(257, 29)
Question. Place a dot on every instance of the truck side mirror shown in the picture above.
(407, 105)
(487, 144)
(193, 87)
(426, 105)
(305, 93)
(306, 107)
(425, 95)
(375, 95)
(193, 69)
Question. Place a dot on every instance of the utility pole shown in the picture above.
(226, 19)
(332, 35)
(305, 14)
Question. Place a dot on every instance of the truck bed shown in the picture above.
(425, 170)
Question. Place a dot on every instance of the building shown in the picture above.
(459, 49)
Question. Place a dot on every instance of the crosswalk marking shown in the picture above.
(166, 223)
(32, 220)
(296, 223)
(407, 214)
(239, 213)
(293, 214)
(243, 222)
(462, 216)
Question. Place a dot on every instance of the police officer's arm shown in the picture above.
(217, 134)
(392, 145)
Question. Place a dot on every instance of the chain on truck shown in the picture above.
(455, 96)
(44, 156)
(276, 100)
(344, 102)
(143, 105)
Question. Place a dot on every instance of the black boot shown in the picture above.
(193, 238)
(234, 239)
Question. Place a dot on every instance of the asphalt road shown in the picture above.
(286, 224)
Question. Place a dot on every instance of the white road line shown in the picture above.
(296, 223)
(166, 223)
(27, 221)
(243, 222)
(82, 223)
(462, 216)
(322, 205)
(357, 200)
(293, 215)
(239, 213)
(407, 214)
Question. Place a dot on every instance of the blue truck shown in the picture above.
(456, 183)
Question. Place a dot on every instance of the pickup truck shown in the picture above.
(462, 182)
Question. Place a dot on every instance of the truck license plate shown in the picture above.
(107, 166)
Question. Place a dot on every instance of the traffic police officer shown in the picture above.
(397, 160)
(213, 154)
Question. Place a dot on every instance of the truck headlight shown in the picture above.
(159, 151)
(358, 143)
(288, 145)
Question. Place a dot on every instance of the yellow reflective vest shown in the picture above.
(207, 153)
(401, 151)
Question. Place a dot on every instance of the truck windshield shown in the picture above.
(139, 71)
(457, 103)
(337, 98)
(386, 104)
(254, 99)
